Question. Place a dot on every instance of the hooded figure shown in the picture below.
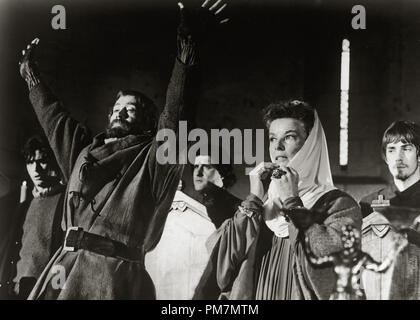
(259, 253)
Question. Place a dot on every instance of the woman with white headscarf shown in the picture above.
(259, 253)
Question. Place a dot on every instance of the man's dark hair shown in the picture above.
(226, 172)
(148, 110)
(37, 142)
(295, 109)
(404, 131)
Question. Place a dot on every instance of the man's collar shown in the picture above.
(100, 138)
(99, 145)
(414, 188)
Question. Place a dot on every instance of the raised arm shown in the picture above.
(193, 29)
(182, 90)
(180, 98)
(67, 137)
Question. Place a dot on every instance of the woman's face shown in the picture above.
(286, 136)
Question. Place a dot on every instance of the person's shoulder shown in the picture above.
(337, 200)
(366, 201)
(338, 195)
(372, 196)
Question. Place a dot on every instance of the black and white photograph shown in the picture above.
(209, 150)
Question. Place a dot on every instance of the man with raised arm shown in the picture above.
(181, 256)
(118, 194)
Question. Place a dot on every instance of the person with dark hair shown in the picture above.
(260, 252)
(294, 109)
(400, 151)
(199, 207)
(118, 194)
(40, 164)
(36, 234)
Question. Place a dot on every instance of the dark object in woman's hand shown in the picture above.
(277, 173)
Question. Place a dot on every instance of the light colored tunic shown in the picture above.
(376, 241)
(179, 259)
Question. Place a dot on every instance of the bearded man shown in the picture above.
(118, 194)
(400, 150)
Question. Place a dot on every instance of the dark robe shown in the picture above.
(116, 190)
(405, 276)
(248, 260)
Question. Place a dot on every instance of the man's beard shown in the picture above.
(122, 130)
(404, 175)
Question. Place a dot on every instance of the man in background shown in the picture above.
(179, 259)
(36, 233)
(400, 150)
(119, 194)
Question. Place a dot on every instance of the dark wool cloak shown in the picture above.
(117, 190)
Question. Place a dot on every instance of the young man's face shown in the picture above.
(202, 175)
(40, 171)
(124, 115)
(402, 159)
(287, 136)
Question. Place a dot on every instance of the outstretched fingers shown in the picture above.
(214, 6)
(30, 48)
(206, 3)
(220, 9)
(27, 54)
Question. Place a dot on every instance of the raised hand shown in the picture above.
(27, 66)
(198, 23)
(217, 8)
(286, 183)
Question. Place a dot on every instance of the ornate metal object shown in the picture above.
(349, 262)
